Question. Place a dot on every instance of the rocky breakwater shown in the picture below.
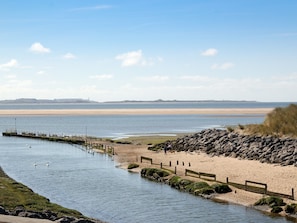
(266, 149)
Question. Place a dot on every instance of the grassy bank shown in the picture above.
(280, 122)
(148, 140)
(13, 194)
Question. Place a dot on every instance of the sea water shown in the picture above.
(93, 184)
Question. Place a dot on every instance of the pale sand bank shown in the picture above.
(157, 111)
(15, 219)
(278, 178)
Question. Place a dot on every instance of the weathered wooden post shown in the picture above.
(293, 194)
(175, 170)
(177, 162)
(169, 163)
(161, 165)
(227, 180)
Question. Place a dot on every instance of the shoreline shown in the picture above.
(157, 111)
(237, 170)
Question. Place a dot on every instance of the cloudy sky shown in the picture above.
(109, 50)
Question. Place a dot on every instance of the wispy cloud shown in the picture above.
(224, 66)
(69, 56)
(209, 52)
(41, 72)
(39, 48)
(134, 58)
(92, 8)
(10, 64)
(101, 77)
(130, 59)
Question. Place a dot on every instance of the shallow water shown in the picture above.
(93, 185)
(122, 125)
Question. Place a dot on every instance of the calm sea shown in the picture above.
(94, 185)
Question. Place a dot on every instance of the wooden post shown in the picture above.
(189, 164)
(169, 163)
(183, 163)
(177, 162)
(227, 180)
(293, 198)
(161, 165)
(174, 170)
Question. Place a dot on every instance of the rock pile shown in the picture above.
(218, 142)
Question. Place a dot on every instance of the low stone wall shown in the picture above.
(218, 142)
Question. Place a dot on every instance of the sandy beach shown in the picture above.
(279, 179)
(169, 111)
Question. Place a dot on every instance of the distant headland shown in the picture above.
(80, 100)
(45, 101)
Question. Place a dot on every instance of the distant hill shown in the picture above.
(174, 101)
(44, 101)
(79, 100)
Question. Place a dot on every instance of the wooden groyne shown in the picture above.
(248, 185)
(89, 144)
(77, 140)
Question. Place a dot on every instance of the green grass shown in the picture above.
(13, 194)
(279, 122)
(132, 166)
(147, 140)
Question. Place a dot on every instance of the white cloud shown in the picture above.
(134, 58)
(10, 64)
(41, 72)
(69, 56)
(131, 58)
(39, 48)
(224, 66)
(210, 52)
(102, 76)
(288, 78)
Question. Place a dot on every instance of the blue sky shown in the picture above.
(149, 49)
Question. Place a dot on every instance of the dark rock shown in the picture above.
(221, 142)
(30, 214)
(65, 219)
(3, 211)
(49, 215)
(83, 221)
(18, 210)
